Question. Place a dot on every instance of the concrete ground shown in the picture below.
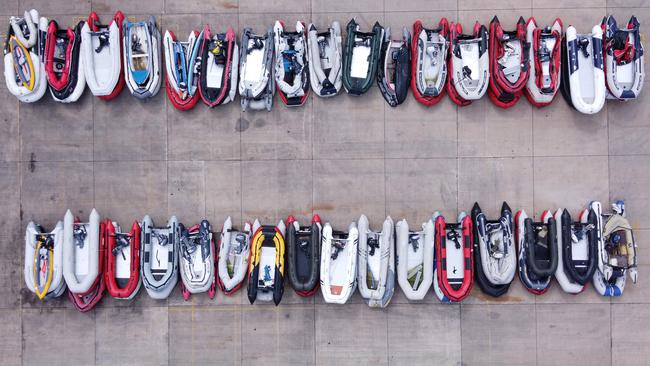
(339, 157)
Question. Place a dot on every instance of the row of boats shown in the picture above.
(528, 60)
(90, 258)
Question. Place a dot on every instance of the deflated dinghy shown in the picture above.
(623, 58)
(182, 72)
(219, 67)
(376, 266)
(24, 57)
(324, 49)
(429, 54)
(544, 62)
(101, 50)
(256, 83)
(415, 259)
(159, 257)
(509, 67)
(454, 254)
(234, 251)
(338, 266)
(197, 260)
(142, 58)
(83, 260)
(303, 255)
(266, 267)
(495, 254)
(616, 251)
(537, 244)
(291, 64)
(583, 78)
(577, 249)
(394, 70)
(43, 269)
(469, 64)
(361, 56)
(63, 63)
(122, 272)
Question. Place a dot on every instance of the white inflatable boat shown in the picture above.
(325, 60)
(625, 72)
(142, 58)
(101, 50)
(80, 252)
(181, 69)
(376, 262)
(415, 259)
(159, 257)
(291, 64)
(43, 269)
(197, 260)
(24, 57)
(583, 77)
(256, 83)
(544, 62)
(338, 266)
(234, 252)
(617, 251)
(469, 64)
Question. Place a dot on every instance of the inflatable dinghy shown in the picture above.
(122, 271)
(256, 83)
(142, 58)
(495, 254)
(80, 252)
(577, 249)
(233, 254)
(623, 50)
(394, 70)
(325, 55)
(617, 251)
(101, 50)
(64, 63)
(537, 245)
(469, 64)
(266, 267)
(197, 260)
(83, 260)
(361, 56)
(218, 74)
(543, 62)
(583, 78)
(338, 264)
(509, 67)
(43, 269)
(303, 255)
(24, 57)
(376, 262)
(429, 55)
(159, 257)
(454, 254)
(182, 72)
(291, 64)
(414, 259)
